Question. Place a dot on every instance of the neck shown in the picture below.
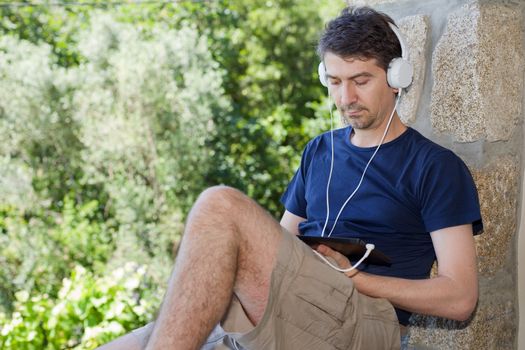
(372, 137)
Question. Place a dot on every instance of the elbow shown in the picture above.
(465, 307)
(463, 314)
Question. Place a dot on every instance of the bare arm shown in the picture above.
(291, 222)
(452, 294)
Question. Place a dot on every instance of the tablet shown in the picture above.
(352, 248)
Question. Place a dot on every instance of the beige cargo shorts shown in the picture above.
(311, 306)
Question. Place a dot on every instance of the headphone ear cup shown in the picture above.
(321, 70)
(400, 73)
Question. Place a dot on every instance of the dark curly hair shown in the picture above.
(360, 32)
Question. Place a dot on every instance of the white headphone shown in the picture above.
(399, 73)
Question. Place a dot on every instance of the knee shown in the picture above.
(217, 206)
(221, 199)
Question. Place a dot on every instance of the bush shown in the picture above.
(38, 250)
(113, 122)
(89, 311)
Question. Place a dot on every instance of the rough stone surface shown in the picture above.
(491, 327)
(478, 73)
(415, 31)
(498, 194)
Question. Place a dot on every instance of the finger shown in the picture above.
(326, 250)
(339, 258)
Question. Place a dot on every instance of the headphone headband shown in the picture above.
(401, 39)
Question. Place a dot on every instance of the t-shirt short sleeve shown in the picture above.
(447, 194)
(294, 198)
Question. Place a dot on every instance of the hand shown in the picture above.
(341, 260)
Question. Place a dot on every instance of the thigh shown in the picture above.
(237, 236)
(259, 237)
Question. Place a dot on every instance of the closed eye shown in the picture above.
(360, 82)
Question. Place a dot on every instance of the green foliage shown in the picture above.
(152, 98)
(35, 118)
(90, 311)
(38, 250)
(54, 26)
(113, 118)
(83, 237)
(145, 105)
(128, 126)
(268, 50)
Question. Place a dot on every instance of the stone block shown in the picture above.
(478, 73)
(492, 326)
(497, 185)
(415, 31)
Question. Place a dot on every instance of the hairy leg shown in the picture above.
(229, 246)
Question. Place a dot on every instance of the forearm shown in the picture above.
(439, 296)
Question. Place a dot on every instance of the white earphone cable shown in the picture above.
(364, 171)
(331, 163)
(369, 248)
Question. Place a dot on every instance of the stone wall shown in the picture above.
(468, 96)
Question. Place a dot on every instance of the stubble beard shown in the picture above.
(361, 121)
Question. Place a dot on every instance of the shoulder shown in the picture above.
(427, 153)
(433, 167)
(424, 144)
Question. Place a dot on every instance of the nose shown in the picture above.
(348, 93)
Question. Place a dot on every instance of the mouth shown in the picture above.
(353, 113)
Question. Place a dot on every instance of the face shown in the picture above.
(360, 91)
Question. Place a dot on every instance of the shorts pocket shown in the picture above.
(323, 297)
(316, 302)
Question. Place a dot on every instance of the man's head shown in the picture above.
(357, 50)
(361, 33)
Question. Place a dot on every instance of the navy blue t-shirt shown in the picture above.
(412, 187)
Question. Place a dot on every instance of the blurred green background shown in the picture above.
(114, 116)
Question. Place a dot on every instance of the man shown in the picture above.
(239, 268)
